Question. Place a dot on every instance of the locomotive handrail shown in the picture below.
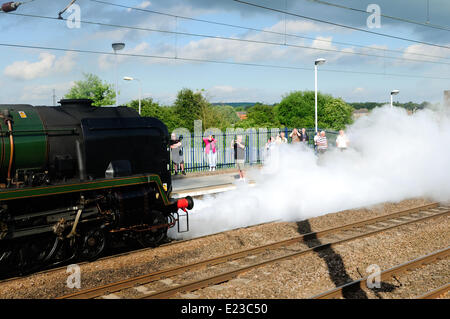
(122, 128)
(37, 131)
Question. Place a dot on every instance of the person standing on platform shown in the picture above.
(176, 150)
(295, 135)
(268, 144)
(239, 156)
(278, 139)
(322, 143)
(316, 138)
(304, 138)
(210, 151)
(342, 141)
(283, 138)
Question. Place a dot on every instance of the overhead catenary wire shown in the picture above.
(199, 60)
(342, 25)
(231, 39)
(263, 30)
(424, 24)
(11, 45)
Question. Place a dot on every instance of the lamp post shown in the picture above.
(316, 63)
(117, 47)
(129, 78)
(394, 92)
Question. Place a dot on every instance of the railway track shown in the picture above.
(223, 268)
(51, 269)
(126, 253)
(387, 274)
(435, 293)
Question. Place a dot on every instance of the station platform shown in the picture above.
(204, 183)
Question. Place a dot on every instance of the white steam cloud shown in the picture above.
(392, 156)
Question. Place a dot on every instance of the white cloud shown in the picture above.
(114, 35)
(25, 70)
(144, 4)
(228, 93)
(223, 89)
(106, 62)
(231, 50)
(251, 52)
(48, 64)
(427, 50)
(65, 63)
(33, 94)
(358, 90)
(296, 26)
(324, 43)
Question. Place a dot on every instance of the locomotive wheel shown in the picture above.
(27, 256)
(93, 243)
(36, 254)
(155, 236)
(6, 256)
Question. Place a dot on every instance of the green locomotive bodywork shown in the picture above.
(30, 140)
(75, 178)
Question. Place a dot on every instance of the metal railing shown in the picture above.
(195, 158)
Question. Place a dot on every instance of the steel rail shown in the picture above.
(232, 274)
(362, 283)
(144, 279)
(55, 268)
(147, 278)
(50, 269)
(435, 293)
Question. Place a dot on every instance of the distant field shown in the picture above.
(236, 104)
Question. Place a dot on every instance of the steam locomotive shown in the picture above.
(76, 178)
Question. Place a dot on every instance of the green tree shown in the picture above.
(190, 106)
(337, 114)
(260, 115)
(152, 109)
(92, 88)
(297, 110)
(365, 105)
(411, 106)
(224, 116)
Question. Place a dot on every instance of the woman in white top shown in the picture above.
(342, 141)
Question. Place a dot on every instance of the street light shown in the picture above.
(316, 63)
(129, 78)
(117, 47)
(394, 92)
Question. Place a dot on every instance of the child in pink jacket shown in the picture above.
(210, 151)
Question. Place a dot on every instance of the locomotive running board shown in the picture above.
(21, 193)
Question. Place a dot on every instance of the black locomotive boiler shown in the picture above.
(76, 178)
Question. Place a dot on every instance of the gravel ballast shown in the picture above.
(298, 278)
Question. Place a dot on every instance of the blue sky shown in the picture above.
(30, 75)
